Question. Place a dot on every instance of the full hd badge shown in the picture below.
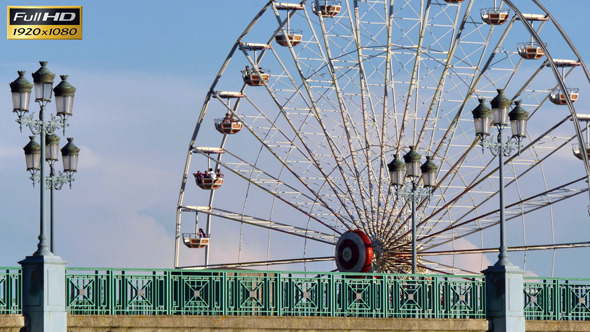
(44, 22)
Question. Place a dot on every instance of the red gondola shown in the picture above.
(454, 1)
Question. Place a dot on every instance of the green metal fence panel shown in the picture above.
(263, 293)
(230, 292)
(10, 290)
(556, 299)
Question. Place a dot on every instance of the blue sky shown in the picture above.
(142, 71)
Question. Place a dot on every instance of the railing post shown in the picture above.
(385, 295)
(279, 294)
(154, 293)
(110, 293)
(224, 293)
(557, 298)
(332, 295)
(168, 292)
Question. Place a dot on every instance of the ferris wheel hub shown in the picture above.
(354, 252)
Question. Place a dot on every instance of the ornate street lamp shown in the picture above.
(48, 149)
(64, 97)
(518, 119)
(396, 172)
(412, 191)
(21, 94)
(51, 147)
(70, 154)
(32, 155)
(429, 169)
(43, 79)
(482, 118)
(504, 281)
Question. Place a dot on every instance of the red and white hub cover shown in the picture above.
(354, 252)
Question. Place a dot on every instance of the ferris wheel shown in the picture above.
(289, 163)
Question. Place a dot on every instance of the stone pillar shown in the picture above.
(505, 298)
(44, 293)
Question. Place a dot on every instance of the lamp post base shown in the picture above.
(44, 300)
(505, 300)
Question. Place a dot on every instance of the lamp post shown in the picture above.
(49, 147)
(412, 190)
(43, 270)
(504, 281)
(498, 115)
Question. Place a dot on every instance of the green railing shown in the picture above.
(219, 292)
(556, 299)
(10, 291)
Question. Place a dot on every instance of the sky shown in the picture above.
(141, 71)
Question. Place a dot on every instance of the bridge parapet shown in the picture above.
(256, 293)
(10, 291)
(556, 299)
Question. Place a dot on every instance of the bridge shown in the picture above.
(171, 299)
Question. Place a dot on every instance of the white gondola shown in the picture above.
(558, 97)
(193, 240)
(228, 126)
(252, 78)
(530, 50)
(326, 8)
(293, 36)
(494, 16)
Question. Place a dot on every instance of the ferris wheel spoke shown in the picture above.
(364, 98)
(265, 223)
(277, 189)
(285, 147)
(444, 73)
(351, 133)
(451, 173)
(263, 263)
(328, 136)
(446, 266)
(537, 158)
(261, 123)
(555, 246)
(514, 210)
